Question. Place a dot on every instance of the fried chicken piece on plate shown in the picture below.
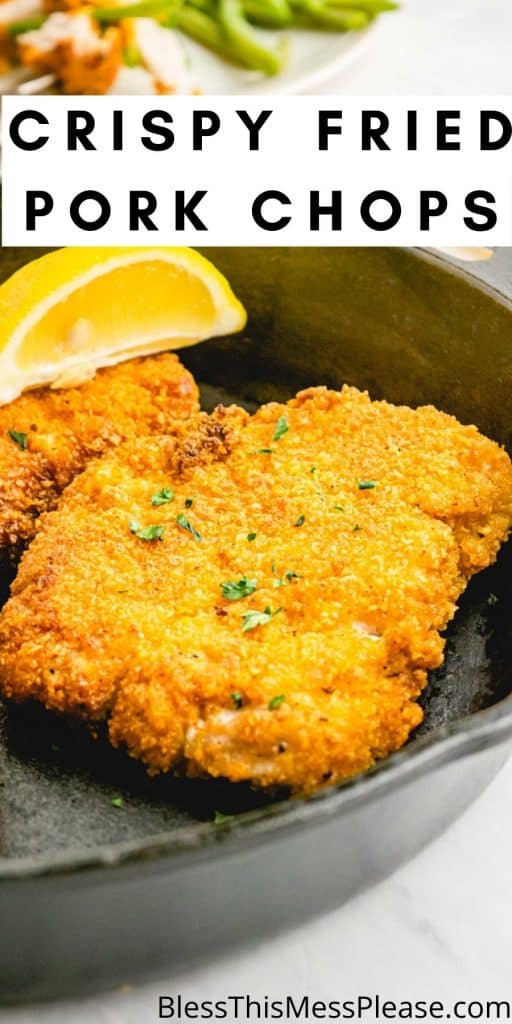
(48, 436)
(269, 591)
(70, 47)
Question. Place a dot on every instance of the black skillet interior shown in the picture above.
(406, 326)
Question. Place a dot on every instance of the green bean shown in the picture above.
(268, 13)
(372, 7)
(314, 13)
(251, 52)
(205, 30)
(145, 9)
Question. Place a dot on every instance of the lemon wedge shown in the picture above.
(71, 311)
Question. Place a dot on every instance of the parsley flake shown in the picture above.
(287, 578)
(276, 701)
(356, 528)
(300, 521)
(234, 590)
(313, 469)
(282, 428)
(366, 485)
(251, 536)
(265, 451)
(163, 497)
(237, 700)
(189, 502)
(19, 438)
(220, 817)
(117, 801)
(251, 620)
(339, 508)
(146, 532)
(187, 525)
(492, 599)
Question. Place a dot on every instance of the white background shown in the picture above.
(442, 925)
(288, 160)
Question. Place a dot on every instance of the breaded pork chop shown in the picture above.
(262, 598)
(47, 437)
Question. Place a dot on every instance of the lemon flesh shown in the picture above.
(69, 312)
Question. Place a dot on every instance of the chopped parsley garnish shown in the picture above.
(300, 521)
(146, 532)
(251, 536)
(189, 502)
(163, 497)
(287, 578)
(265, 451)
(19, 438)
(237, 700)
(366, 485)
(220, 817)
(276, 701)
(339, 508)
(313, 469)
(251, 620)
(282, 428)
(492, 599)
(234, 590)
(356, 528)
(117, 801)
(187, 525)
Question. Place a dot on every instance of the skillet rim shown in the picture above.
(449, 743)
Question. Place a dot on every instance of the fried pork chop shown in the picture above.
(262, 598)
(47, 437)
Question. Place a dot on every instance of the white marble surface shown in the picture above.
(441, 927)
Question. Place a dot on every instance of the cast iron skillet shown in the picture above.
(92, 895)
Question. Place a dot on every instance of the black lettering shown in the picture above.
(437, 1010)
(150, 124)
(333, 211)
(165, 1007)
(319, 1010)
(325, 128)
(254, 127)
(363, 1003)
(79, 133)
(257, 210)
(445, 130)
(186, 211)
(204, 123)
(371, 134)
(432, 204)
(102, 217)
(395, 212)
(15, 125)
(117, 130)
(487, 117)
(38, 204)
(142, 205)
(412, 130)
(478, 203)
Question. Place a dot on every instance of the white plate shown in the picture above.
(314, 58)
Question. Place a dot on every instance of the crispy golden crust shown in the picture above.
(361, 580)
(65, 429)
(91, 72)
